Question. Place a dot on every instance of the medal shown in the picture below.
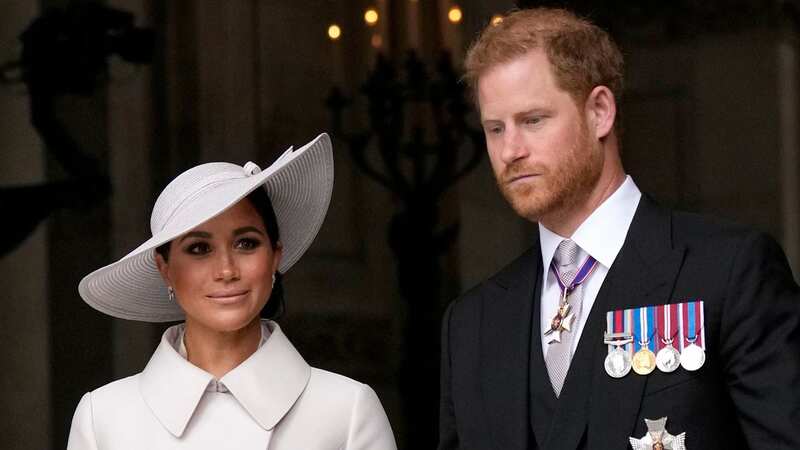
(668, 359)
(564, 317)
(561, 322)
(618, 337)
(665, 337)
(692, 357)
(658, 438)
(644, 361)
(618, 363)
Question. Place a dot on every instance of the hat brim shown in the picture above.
(299, 185)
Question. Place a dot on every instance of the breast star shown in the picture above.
(657, 437)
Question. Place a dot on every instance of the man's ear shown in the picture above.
(163, 267)
(601, 111)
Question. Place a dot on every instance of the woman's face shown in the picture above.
(222, 269)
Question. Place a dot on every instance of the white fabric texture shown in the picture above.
(273, 400)
(601, 235)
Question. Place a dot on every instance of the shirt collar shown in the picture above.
(267, 384)
(215, 385)
(602, 234)
(180, 340)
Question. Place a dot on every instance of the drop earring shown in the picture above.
(273, 279)
(171, 293)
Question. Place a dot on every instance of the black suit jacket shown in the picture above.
(747, 395)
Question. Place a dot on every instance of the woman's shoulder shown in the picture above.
(124, 389)
(104, 414)
(334, 380)
(342, 410)
(117, 387)
(329, 389)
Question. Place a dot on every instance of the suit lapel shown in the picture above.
(542, 398)
(643, 273)
(505, 349)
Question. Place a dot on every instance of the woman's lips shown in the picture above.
(226, 297)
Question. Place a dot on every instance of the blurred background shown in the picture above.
(104, 102)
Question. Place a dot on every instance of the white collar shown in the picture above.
(180, 340)
(602, 234)
(266, 384)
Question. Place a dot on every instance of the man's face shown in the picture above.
(539, 145)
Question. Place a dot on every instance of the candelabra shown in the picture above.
(418, 144)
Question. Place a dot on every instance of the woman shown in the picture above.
(222, 236)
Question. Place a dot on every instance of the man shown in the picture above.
(540, 354)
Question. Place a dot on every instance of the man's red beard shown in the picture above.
(553, 189)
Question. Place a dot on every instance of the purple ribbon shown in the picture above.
(583, 273)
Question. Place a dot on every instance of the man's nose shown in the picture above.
(513, 146)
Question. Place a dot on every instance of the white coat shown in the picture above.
(274, 400)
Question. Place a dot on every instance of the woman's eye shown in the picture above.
(198, 248)
(247, 243)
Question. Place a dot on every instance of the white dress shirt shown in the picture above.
(601, 235)
(273, 399)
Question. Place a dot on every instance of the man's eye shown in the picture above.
(247, 244)
(198, 248)
(533, 120)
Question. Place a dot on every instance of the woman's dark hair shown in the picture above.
(275, 306)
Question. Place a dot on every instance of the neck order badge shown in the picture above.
(563, 319)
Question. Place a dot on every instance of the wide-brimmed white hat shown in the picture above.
(299, 184)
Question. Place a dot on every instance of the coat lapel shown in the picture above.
(171, 386)
(266, 393)
(643, 273)
(505, 348)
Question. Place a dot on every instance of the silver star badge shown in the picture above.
(559, 324)
(658, 438)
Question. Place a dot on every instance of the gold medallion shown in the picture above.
(644, 361)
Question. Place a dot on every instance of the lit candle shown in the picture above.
(335, 35)
(451, 28)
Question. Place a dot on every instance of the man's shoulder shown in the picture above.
(702, 225)
(713, 241)
(524, 265)
(696, 230)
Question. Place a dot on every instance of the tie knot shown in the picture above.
(567, 253)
